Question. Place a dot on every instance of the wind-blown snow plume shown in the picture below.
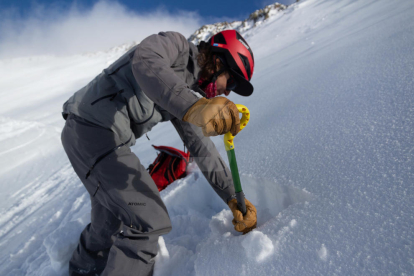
(58, 30)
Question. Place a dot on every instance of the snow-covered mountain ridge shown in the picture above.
(255, 19)
(326, 159)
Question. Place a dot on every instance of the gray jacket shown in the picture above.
(153, 82)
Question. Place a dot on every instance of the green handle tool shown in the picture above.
(229, 145)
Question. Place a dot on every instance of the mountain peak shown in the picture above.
(256, 18)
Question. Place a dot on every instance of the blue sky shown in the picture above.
(210, 9)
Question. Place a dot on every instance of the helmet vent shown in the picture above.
(242, 41)
(246, 65)
(219, 38)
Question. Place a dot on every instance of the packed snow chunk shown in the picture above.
(221, 223)
(323, 253)
(258, 246)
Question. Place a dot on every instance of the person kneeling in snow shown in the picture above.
(164, 78)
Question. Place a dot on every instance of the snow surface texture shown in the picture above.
(327, 157)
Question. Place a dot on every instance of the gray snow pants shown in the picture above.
(127, 215)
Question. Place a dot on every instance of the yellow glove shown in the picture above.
(215, 116)
(244, 223)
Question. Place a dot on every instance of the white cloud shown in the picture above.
(55, 30)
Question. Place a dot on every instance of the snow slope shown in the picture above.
(327, 157)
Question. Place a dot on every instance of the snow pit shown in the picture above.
(270, 197)
(230, 251)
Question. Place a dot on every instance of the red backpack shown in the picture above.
(170, 165)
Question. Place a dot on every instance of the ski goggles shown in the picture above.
(231, 82)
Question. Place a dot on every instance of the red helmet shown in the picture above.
(238, 56)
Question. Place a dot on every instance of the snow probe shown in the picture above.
(229, 145)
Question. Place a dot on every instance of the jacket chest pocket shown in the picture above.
(103, 87)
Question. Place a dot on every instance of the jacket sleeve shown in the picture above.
(208, 159)
(152, 66)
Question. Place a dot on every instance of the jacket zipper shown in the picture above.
(111, 96)
(148, 118)
(97, 188)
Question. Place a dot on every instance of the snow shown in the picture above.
(327, 157)
(257, 246)
(323, 253)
